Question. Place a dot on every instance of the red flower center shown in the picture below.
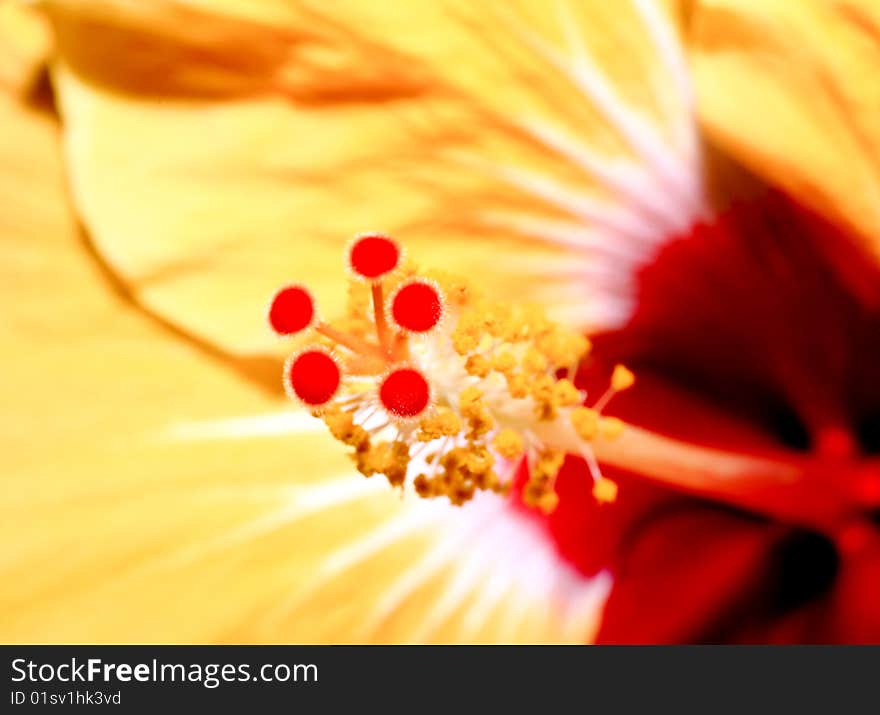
(767, 316)
(758, 332)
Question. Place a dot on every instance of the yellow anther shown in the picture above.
(585, 422)
(388, 458)
(479, 460)
(453, 458)
(487, 480)
(495, 317)
(542, 392)
(611, 427)
(464, 340)
(622, 378)
(565, 394)
(604, 490)
(548, 502)
(502, 488)
(461, 494)
(396, 473)
(580, 347)
(517, 385)
(542, 388)
(504, 361)
(532, 493)
(469, 401)
(478, 366)
(343, 428)
(371, 460)
(508, 443)
(448, 422)
(562, 348)
(443, 423)
(513, 330)
(547, 342)
(547, 466)
(340, 423)
(534, 361)
(480, 422)
(423, 486)
(359, 438)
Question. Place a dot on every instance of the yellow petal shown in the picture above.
(152, 494)
(482, 136)
(791, 89)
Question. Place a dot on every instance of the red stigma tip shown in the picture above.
(292, 310)
(417, 307)
(313, 376)
(373, 256)
(405, 392)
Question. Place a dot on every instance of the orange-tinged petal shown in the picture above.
(504, 140)
(167, 48)
(791, 89)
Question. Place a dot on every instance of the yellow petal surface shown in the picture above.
(152, 493)
(791, 88)
(495, 140)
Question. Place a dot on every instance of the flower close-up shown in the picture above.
(440, 322)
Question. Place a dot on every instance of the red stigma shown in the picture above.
(373, 256)
(313, 377)
(292, 310)
(417, 307)
(405, 392)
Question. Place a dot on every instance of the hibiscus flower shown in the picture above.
(694, 186)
